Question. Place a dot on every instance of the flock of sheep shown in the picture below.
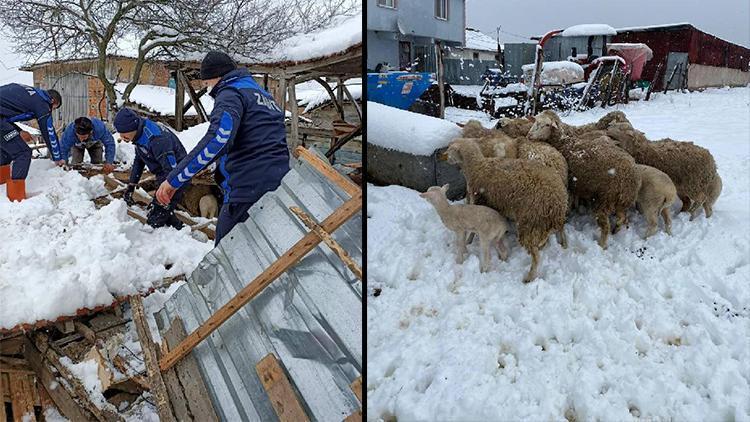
(535, 170)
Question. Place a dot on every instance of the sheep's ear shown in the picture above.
(445, 187)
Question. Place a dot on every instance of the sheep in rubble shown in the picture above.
(487, 223)
(600, 173)
(524, 191)
(691, 168)
(656, 195)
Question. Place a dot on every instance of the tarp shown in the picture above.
(635, 55)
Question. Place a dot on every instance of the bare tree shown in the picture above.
(44, 30)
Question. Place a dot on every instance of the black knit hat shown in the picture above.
(216, 64)
(83, 126)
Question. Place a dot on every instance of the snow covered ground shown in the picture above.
(59, 253)
(656, 329)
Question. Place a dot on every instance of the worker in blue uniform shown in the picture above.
(157, 148)
(19, 103)
(92, 135)
(246, 138)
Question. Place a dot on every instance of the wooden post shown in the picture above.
(336, 103)
(295, 114)
(440, 77)
(326, 170)
(354, 103)
(328, 240)
(265, 81)
(282, 92)
(652, 85)
(263, 280)
(152, 361)
(179, 101)
(194, 100)
(340, 90)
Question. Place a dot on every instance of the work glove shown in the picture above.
(128, 197)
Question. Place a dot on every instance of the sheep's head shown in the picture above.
(547, 126)
(613, 117)
(457, 150)
(474, 129)
(435, 193)
(626, 136)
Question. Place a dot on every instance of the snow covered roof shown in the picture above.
(408, 132)
(160, 99)
(589, 29)
(311, 94)
(345, 33)
(476, 40)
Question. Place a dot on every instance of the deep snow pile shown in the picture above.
(59, 253)
(653, 328)
(404, 131)
(160, 99)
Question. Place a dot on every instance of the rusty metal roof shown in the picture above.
(310, 318)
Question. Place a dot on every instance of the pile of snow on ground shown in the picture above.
(60, 253)
(404, 131)
(656, 329)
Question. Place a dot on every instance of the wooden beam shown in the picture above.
(59, 395)
(179, 101)
(263, 280)
(295, 142)
(282, 94)
(354, 102)
(328, 239)
(85, 331)
(194, 100)
(189, 104)
(331, 94)
(440, 77)
(190, 383)
(158, 390)
(357, 388)
(324, 168)
(280, 391)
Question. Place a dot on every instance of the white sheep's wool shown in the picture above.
(654, 328)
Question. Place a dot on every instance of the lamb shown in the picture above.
(474, 129)
(599, 172)
(487, 223)
(691, 168)
(656, 195)
(521, 190)
(208, 206)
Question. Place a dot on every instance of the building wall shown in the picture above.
(417, 18)
(420, 28)
(661, 42)
(702, 76)
(468, 54)
(516, 55)
(558, 48)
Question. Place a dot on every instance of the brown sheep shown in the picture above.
(474, 129)
(525, 191)
(708, 206)
(599, 172)
(515, 128)
(691, 168)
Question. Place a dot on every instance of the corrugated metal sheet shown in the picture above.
(311, 317)
(73, 87)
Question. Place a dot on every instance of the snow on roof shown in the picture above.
(589, 29)
(311, 94)
(160, 99)
(476, 40)
(408, 132)
(344, 33)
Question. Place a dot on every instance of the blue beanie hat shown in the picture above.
(127, 120)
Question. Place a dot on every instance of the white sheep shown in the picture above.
(656, 195)
(487, 223)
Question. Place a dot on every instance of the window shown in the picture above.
(391, 4)
(441, 9)
(476, 56)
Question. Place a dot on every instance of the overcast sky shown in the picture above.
(9, 63)
(727, 19)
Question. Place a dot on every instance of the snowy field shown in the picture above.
(59, 253)
(654, 329)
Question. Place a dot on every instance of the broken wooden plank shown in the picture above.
(190, 379)
(279, 389)
(85, 331)
(326, 170)
(354, 417)
(357, 388)
(119, 363)
(276, 269)
(50, 354)
(59, 395)
(22, 400)
(158, 389)
(328, 240)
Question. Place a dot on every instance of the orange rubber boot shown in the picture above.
(17, 190)
(4, 174)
